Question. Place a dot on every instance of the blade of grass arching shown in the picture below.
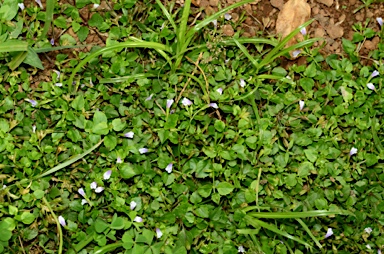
(50, 7)
(17, 60)
(246, 53)
(269, 58)
(81, 245)
(108, 248)
(60, 250)
(248, 231)
(257, 223)
(309, 233)
(13, 46)
(121, 45)
(125, 78)
(231, 42)
(256, 243)
(181, 32)
(69, 162)
(166, 13)
(292, 215)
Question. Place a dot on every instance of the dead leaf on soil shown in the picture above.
(293, 14)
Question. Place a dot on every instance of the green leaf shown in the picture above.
(100, 123)
(371, 159)
(224, 188)
(27, 218)
(100, 225)
(118, 125)
(110, 142)
(219, 126)
(117, 222)
(8, 10)
(13, 45)
(96, 20)
(82, 34)
(127, 171)
(33, 59)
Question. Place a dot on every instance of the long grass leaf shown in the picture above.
(17, 60)
(49, 49)
(246, 53)
(69, 162)
(309, 233)
(108, 248)
(292, 215)
(181, 32)
(129, 44)
(126, 78)
(13, 46)
(166, 13)
(258, 223)
(50, 7)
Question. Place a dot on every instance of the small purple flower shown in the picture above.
(132, 205)
(169, 103)
(380, 21)
(39, 3)
(33, 102)
(242, 82)
(378, 251)
(149, 97)
(52, 41)
(329, 233)
(119, 160)
(213, 105)
(143, 150)
(371, 86)
(99, 189)
(186, 102)
(219, 90)
(368, 230)
(129, 134)
(169, 168)
(375, 73)
(62, 221)
(353, 151)
(21, 6)
(93, 185)
(303, 31)
(107, 174)
(227, 16)
(81, 192)
(138, 219)
(301, 105)
(59, 84)
(58, 73)
(84, 201)
(296, 53)
(159, 234)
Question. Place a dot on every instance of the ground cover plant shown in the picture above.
(172, 138)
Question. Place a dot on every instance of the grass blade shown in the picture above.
(126, 78)
(129, 44)
(57, 224)
(257, 223)
(166, 13)
(69, 162)
(17, 60)
(13, 46)
(309, 233)
(181, 32)
(49, 49)
(292, 215)
(245, 52)
(50, 7)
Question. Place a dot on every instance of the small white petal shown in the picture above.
(107, 174)
(301, 105)
(186, 102)
(129, 134)
(219, 90)
(296, 53)
(95, 6)
(378, 251)
(353, 151)
(39, 3)
(371, 86)
(149, 97)
(241, 249)
(303, 31)
(62, 221)
(99, 189)
(368, 246)
(83, 202)
(33, 102)
(81, 192)
(242, 82)
(368, 230)
(58, 73)
(329, 233)
(227, 16)
(169, 168)
(288, 77)
(4, 186)
(214, 22)
(34, 128)
(143, 150)
(226, 61)
(380, 21)
(138, 219)
(132, 205)
(93, 185)
(21, 6)
(159, 234)
(59, 84)
(213, 105)
(169, 103)
(118, 160)
(375, 73)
